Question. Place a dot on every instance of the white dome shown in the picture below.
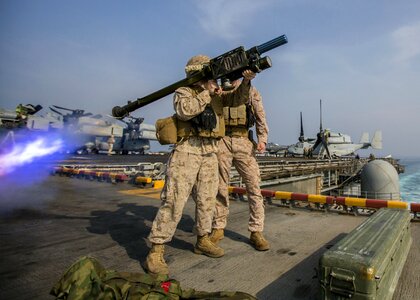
(379, 180)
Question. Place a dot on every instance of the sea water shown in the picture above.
(410, 180)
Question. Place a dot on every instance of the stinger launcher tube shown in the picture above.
(226, 67)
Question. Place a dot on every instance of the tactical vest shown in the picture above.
(185, 128)
(171, 130)
(237, 120)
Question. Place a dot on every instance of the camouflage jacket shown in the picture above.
(261, 126)
(188, 105)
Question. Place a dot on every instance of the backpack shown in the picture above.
(87, 279)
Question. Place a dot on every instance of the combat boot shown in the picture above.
(258, 241)
(155, 263)
(205, 246)
(216, 235)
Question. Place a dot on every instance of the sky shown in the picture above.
(362, 58)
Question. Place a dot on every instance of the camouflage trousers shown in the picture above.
(110, 147)
(186, 171)
(239, 151)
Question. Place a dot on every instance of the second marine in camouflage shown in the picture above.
(236, 148)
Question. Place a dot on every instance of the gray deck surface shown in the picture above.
(62, 219)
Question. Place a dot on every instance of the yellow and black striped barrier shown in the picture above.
(291, 197)
(327, 201)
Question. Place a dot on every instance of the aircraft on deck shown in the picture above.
(26, 117)
(332, 144)
(134, 137)
(275, 149)
(302, 147)
(83, 132)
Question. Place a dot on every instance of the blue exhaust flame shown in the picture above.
(25, 153)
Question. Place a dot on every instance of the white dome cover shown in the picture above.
(379, 180)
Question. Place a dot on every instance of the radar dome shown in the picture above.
(379, 180)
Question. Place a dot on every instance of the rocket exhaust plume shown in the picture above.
(23, 154)
(24, 167)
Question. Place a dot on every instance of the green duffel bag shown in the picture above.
(87, 279)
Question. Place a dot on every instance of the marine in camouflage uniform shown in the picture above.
(193, 163)
(237, 149)
(111, 142)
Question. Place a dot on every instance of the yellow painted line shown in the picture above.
(397, 204)
(349, 201)
(283, 195)
(149, 193)
(317, 198)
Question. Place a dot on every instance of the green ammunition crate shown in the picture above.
(367, 263)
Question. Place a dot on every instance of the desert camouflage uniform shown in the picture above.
(193, 164)
(240, 152)
(111, 141)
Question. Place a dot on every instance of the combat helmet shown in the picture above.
(196, 64)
